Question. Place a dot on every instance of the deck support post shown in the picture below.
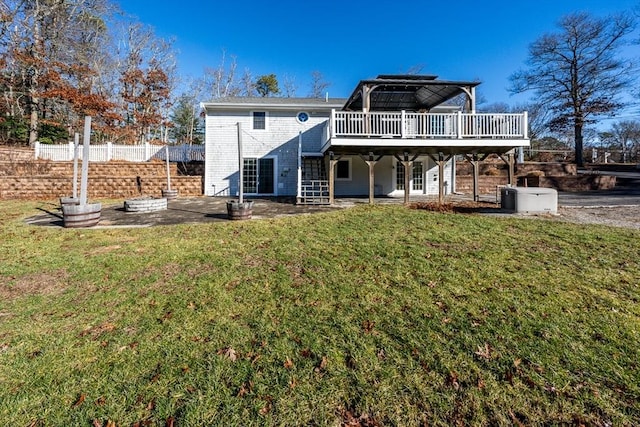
(333, 161)
(371, 162)
(475, 160)
(407, 163)
(510, 161)
(441, 161)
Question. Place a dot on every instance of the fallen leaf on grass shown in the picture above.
(322, 365)
(480, 384)
(80, 400)
(267, 407)
(484, 352)
(245, 388)
(229, 353)
(288, 364)
(453, 380)
(170, 422)
(367, 326)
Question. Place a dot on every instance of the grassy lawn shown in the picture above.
(368, 316)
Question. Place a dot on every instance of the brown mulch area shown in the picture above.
(464, 206)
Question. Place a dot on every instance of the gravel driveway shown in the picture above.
(617, 216)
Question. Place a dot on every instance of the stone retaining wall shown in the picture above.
(100, 187)
(574, 183)
(486, 184)
(549, 169)
(44, 179)
(113, 168)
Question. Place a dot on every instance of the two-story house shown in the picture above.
(394, 136)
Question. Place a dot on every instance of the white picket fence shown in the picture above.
(130, 153)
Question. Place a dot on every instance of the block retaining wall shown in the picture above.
(570, 183)
(100, 187)
(62, 169)
(45, 180)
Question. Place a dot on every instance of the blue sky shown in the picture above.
(350, 40)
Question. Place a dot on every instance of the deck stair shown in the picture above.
(315, 185)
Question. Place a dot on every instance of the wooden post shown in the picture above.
(408, 166)
(510, 160)
(240, 171)
(332, 175)
(86, 150)
(371, 162)
(76, 143)
(166, 154)
(512, 174)
(441, 163)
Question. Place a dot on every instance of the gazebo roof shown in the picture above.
(406, 92)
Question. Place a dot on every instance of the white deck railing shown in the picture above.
(131, 153)
(428, 125)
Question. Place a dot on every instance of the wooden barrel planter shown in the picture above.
(169, 194)
(80, 216)
(239, 211)
(145, 204)
(69, 201)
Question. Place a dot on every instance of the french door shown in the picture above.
(417, 177)
(258, 175)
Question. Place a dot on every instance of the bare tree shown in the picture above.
(221, 81)
(577, 72)
(318, 85)
(247, 85)
(624, 136)
(290, 86)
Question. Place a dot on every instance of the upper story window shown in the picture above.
(260, 120)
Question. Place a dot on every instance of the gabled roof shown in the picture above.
(273, 103)
(405, 92)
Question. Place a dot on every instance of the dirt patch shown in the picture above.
(46, 283)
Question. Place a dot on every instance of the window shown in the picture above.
(343, 170)
(259, 120)
(302, 116)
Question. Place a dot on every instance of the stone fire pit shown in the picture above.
(145, 204)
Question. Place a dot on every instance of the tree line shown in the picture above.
(63, 59)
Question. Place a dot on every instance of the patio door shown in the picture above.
(417, 177)
(258, 175)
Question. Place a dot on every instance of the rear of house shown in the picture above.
(274, 132)
(395, 135)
